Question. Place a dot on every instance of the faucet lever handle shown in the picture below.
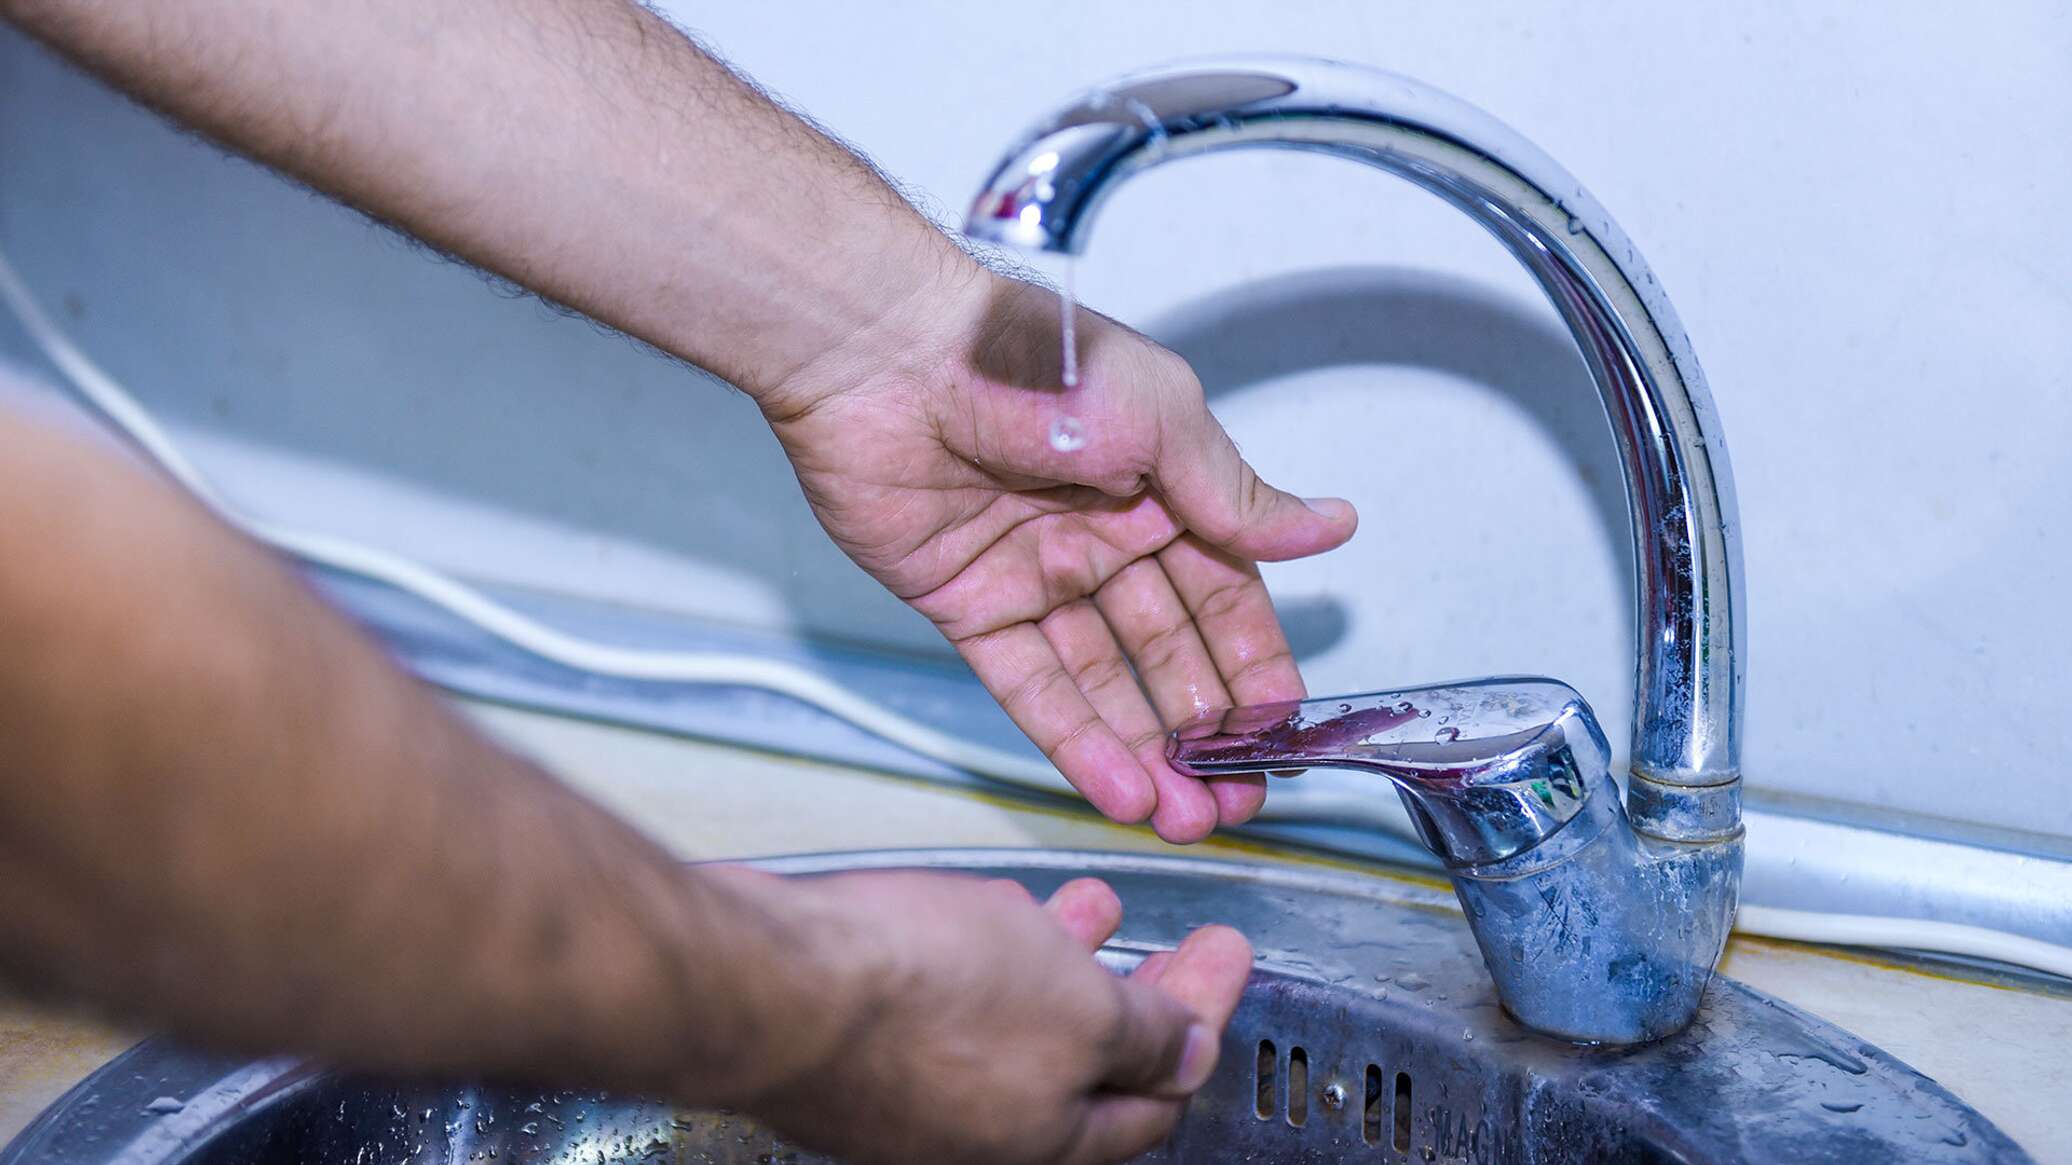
(1487, 768)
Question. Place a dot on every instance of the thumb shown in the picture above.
(1207, 483)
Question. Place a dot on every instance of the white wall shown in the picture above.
(1859, 214)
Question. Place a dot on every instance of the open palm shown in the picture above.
(1102, 593)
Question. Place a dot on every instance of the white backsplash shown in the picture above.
(1859, 219)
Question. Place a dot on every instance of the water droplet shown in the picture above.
(1836, 1106)
(1067, 435)
(1447, 735)
(1424, 713)
(1575, 225)
(165, 1106)
(1344, 708)
(1467, 1034)
(1414, 982)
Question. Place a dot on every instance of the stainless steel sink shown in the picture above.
(1370, 1032)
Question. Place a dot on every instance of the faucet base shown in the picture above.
(1612, 940)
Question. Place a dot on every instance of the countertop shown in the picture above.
(2001, 1048)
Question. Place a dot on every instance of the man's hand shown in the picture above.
(1056, 572)
(992, 1037)
(225, 812)
(914, 391)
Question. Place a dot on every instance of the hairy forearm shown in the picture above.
(582, 148)
(222, 810)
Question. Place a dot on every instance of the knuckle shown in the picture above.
(1165, 645)
(1102, 674)
(1225, 599)
(1264, 664)
(1146, 740)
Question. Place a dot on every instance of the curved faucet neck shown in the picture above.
(1688, 670)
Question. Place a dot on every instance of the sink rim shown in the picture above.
(1529, 1070)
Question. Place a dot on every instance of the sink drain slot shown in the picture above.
(1280, 1089)
(1401, 1139)
(1370, 1111)
(1265, 1081)
(1298, 1087)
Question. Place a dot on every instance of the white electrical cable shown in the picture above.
(118, 407)
(1920, 934)
(121, 409)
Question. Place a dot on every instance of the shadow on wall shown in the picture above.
(1407, 317)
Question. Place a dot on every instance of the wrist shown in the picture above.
(929, 319)
(808, 979)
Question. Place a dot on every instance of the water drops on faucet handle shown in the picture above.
(1431, 727)
(1488, 768)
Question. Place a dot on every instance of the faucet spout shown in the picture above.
(1681, 828)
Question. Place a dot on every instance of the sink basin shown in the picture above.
(1369, 1032)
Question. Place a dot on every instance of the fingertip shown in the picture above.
(1011, 890)
(1088, 895)
(1209, 972)
(1333, 523)
(1187, 810)
(1088, 909)
(1122, 791)
(1185, 824)
(1136, 805)
(1336, 511)
(1222, 945)
(1089, 890)
(1239, 797)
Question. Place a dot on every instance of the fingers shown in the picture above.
(1154, 1044)
(1201, 980)
(1169, 650)
(1205, 976)
(1156, 629)
(1219, 497)
(1208, 974)
(1022, 671)
(1118, 1128)
(1152, 967)
(1229, 603)
(1045, 562)
(1185, 812)
(1087, 909)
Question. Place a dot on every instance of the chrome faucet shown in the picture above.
(1598, 923)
